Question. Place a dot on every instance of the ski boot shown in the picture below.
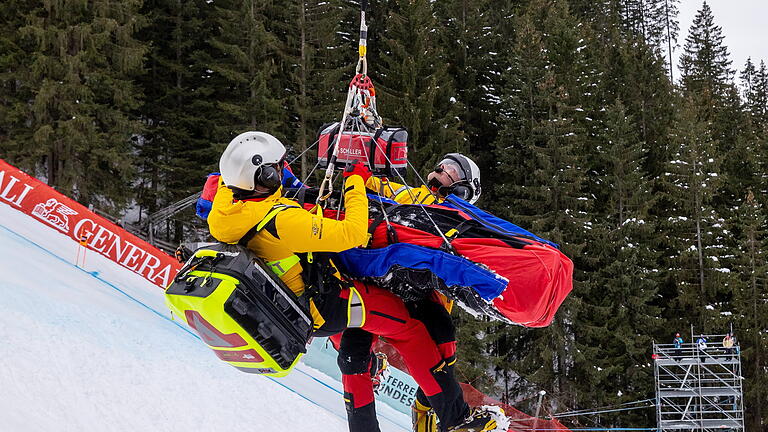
(423, 418)
(379, 370)
(484, 419)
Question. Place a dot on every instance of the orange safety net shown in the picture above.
(519, 421)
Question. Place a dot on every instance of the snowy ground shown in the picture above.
(93, 349)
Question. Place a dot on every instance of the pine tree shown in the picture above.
(618, 318)
(708, 79)
(14, 93)
(654, 21)
(473, 32)
(647, 100)
(705, 62)
(706, 73)
(415, 90)
(750, 306)
(475, 340)
(78, 126)
(324, 56)
(175, 151)
(247, 58)
(755, 84)
(697, 239)
(540, 175)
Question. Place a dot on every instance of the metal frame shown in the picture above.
(698, 389)
(157, 218)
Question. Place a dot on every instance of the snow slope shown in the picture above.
(94, 349)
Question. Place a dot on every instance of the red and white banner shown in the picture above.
(33, 197)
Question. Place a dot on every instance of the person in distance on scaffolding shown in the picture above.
(678, 343)
(701, 343)
(728, 344)
(249, 208)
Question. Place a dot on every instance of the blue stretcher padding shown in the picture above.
(452, 269)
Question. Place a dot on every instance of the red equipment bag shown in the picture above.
(384, 151)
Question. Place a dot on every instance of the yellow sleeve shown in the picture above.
(401, 193)
(303, 231)
(384, 188)
(228, 220)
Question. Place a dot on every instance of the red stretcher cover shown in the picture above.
(489, 266)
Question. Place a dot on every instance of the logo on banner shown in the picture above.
(55, 213)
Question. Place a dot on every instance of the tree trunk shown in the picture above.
(697, 212)
(303, 90)
(251, 64)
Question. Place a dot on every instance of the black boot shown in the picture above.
(449, 404)
(361, 419)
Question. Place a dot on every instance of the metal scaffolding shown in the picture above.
(698, 388)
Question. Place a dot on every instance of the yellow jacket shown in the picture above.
(402, 194)
(293, 230)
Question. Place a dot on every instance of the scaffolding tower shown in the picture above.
(698, 388)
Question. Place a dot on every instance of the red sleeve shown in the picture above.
(211, 186)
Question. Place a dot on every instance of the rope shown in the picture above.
(605, 411)
(302, 153)
(304, 180)
(589, 429)
(559, 416)
(413, 198)
(354, 96)
(590, 419)
(598, 409)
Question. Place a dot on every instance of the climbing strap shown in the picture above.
(259, 226)
(281, 266)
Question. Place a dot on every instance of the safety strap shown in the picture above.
(301, 196)
(281, 266)
(460, 229)
(259, 226)
(398, 191)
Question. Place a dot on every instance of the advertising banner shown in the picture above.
(33, 197)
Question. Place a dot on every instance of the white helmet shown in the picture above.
(249, 159)
(469, 186)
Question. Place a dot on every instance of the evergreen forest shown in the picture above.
(651, 176)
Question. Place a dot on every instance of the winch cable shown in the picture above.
(361, 100)
(381, 201)
(410, 192)
(357, 92)
(309, 174)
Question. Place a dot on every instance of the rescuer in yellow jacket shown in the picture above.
(249, 209)
(289, 229)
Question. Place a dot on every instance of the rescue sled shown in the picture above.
(489, 266)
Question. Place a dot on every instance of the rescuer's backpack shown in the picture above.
(241, 309)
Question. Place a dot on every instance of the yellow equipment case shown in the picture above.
(241, 309)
